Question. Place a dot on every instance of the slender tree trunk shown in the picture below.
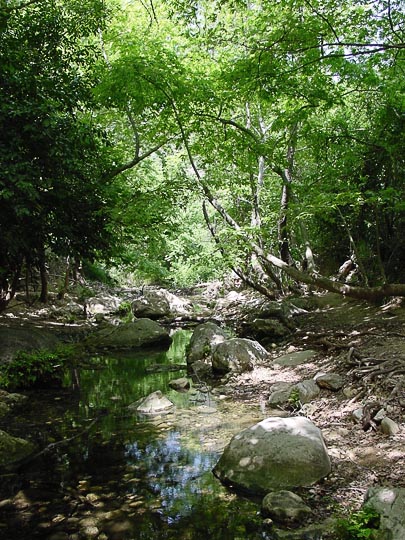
(378, 246)
(358, 261)
(7, 289)
(27, 279)
(283, 240)
(65, 286)
(44, 278)
(286, 175)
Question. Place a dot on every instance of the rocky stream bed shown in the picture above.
(103, 472)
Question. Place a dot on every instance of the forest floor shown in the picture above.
(366, 345)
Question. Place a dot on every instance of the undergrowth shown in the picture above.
(36, 368)
(361, 525)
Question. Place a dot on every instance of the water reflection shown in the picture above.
(117, 381)
(126, 478)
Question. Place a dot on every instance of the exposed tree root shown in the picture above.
(370, 368)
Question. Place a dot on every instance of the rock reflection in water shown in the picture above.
(127, 478)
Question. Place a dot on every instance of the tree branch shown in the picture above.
(137, 159)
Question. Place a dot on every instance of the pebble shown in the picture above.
(381, 414)
(330, 381)
(91, 532)
(389, 427)
(357, 415)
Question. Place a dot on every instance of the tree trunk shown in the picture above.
(8, 290)
(44, 278)
(287, 179)
(65, 286)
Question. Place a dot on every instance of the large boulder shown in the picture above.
(153, 304)
(159, 303)
(237, 355)
(179, 306)
(277, 453)
(25, 338)
(13, 450)
(330, 381)
(307, 390)
(389, 503)
(153, 404)
(205, 338)
(267, 329)
(280, 394)
(8, 402)
(102, 304)
(132, 335)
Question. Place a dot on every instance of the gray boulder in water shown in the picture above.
(25, 338)
(155, 403)
(13, 449)
(237, 355)
(276, 453)
(205, 338)
(140, 333)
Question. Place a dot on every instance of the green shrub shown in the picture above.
(294, 399)
(39, 368)
(361, 525)
(95, 272)
(125, 311)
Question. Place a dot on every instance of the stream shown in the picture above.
(122, 477)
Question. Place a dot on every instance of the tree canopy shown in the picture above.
(182, 138)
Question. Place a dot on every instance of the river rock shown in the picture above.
(205, 338)
(131, 335)
(180, 385)
(102, 304)
(330, 381)
(25, 338)
(280, 393)
(285, 506)
(13, 449)
(237, 355)
(358, 414)
(295, 358)
(155, 403)
(179, 306)
(153, 304)
(12, 399)
(267, 329)
(276, 453)
(200, 370)
(389, 503)
(307, 390)
(389, 427)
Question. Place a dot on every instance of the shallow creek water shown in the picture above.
(121, 477)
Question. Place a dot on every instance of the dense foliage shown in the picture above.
(52, 191)
(180, 138)
(41, 368)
